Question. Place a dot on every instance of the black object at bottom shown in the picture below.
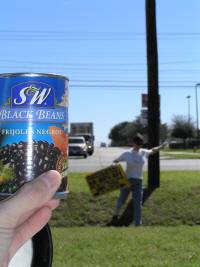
(42, 248)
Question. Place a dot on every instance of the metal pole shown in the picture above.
(197, 113)
(188, 98)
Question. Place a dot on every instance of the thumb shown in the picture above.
(32, 195)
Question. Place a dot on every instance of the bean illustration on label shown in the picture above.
(33, 129)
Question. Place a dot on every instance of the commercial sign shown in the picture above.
(144, 100)
(144, 117)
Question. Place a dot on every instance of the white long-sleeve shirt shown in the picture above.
(134, 162)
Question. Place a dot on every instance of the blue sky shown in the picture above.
(100, 46)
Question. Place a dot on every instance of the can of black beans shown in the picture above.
(33, 129)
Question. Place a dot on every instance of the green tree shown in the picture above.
(118, 134)
(123, 133)
(182, 128)
(133, 128)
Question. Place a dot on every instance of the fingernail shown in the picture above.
(52, 178)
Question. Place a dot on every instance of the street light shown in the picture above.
(197, 115)
(188, 97)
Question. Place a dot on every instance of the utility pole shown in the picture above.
(153, 94)
(153, 110)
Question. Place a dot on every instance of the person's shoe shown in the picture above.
(114, 221)
(115, 217)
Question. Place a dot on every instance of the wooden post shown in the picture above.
(153, 94)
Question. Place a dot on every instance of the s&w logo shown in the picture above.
(32, 94)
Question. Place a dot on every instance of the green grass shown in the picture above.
(170, 237)
(189, 150)
(176, 202)
(181, 153)
(127, 247)
(181, 156)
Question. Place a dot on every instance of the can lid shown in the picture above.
(30, 74)
(36, 252)
(24, 256)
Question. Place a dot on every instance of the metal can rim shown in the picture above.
(31, 74)
(42, 248)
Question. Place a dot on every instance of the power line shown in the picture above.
(130, 86)
(88, 36)
(130, 81)
(125, 88)
(53, 39)
(42, 35)
(95, 32)
(97, 64)
(102, 69)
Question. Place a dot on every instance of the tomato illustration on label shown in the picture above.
(60, 140)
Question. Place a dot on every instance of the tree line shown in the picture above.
(181, 133)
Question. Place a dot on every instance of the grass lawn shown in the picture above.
(127, 247)
(181, 153)
(170, 236)
(176, 202)
(187, 150)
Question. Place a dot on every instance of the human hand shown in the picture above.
(115, 162)
(26, 213)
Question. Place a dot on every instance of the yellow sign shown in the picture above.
(107, 180)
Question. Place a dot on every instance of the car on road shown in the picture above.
(77, 146)
(89, 139)
(103, 144)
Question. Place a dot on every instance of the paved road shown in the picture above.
(103, 157)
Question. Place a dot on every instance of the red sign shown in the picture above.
(144, 100)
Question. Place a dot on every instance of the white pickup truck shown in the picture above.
(84, 129)
(77, 146)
